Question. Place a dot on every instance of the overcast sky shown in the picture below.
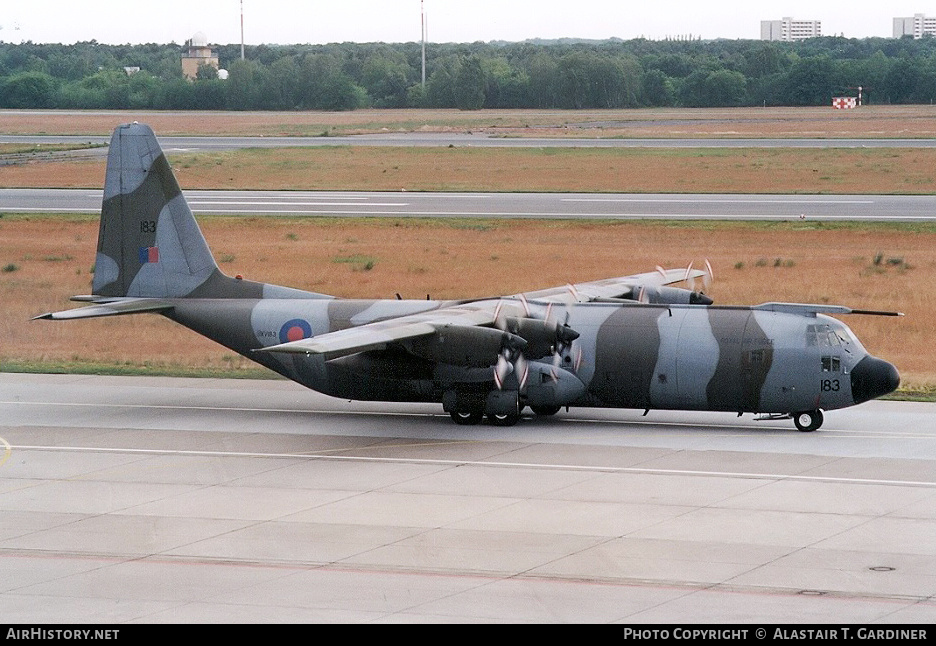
(315, 21)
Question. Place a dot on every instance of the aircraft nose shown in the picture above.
(873, 377)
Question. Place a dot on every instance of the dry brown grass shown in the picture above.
(751, 170)
(786, 262)
(868, 121)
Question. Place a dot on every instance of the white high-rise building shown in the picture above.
(918, 26)
(789, 30)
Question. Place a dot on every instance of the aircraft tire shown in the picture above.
(467, 417)
(545, 411)
(505, 419)
(808, 421)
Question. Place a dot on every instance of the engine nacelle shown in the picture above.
(464, 345)
(664, 295)
(542, 337)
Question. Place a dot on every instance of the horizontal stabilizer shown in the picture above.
(111, 308)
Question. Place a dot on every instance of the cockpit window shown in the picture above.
(823, 336)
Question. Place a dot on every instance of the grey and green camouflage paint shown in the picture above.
(610, 349)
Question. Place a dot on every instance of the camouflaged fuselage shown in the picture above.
(660, 357)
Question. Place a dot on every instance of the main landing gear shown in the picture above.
(470, 418)
(467, 417)
(501, 407)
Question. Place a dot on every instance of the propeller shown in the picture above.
(565, 336)
(707, 277)
(511, 360)
(542, 333)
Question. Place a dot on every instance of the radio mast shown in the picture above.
(422, 15)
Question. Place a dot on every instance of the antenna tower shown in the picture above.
(422, 13)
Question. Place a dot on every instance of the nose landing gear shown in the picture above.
(808, 421)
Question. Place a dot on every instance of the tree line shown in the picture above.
(532, 74)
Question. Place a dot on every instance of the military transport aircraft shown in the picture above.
(629, 342)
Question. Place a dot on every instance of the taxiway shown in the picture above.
(172, 500)
(614, 206)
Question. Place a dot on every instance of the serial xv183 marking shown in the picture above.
(628, 342)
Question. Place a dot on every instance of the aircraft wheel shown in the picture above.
(467, 417)
(506, 419)
(544, 411)
(808, 421)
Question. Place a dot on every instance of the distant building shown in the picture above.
(198, 54)
(789, 30)
(918, 26)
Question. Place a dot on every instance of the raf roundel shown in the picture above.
(295, 330)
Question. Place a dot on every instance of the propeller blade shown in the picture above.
(522, 369)
(690, 278)
(709, 276)
(499, 322)
(526, 306)
(501, 370)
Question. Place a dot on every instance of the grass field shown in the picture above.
(45, 260)
(911, 121)
(642, 170)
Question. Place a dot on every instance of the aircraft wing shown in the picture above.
(376, 335)
(612, 287)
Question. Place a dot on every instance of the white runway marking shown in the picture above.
(330, 455)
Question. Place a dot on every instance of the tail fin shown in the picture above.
(149, 244)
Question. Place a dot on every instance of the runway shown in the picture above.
(174, 500)
(616, 206)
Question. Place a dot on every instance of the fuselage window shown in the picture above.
(831, 364)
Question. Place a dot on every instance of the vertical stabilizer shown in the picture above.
(149, 244)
